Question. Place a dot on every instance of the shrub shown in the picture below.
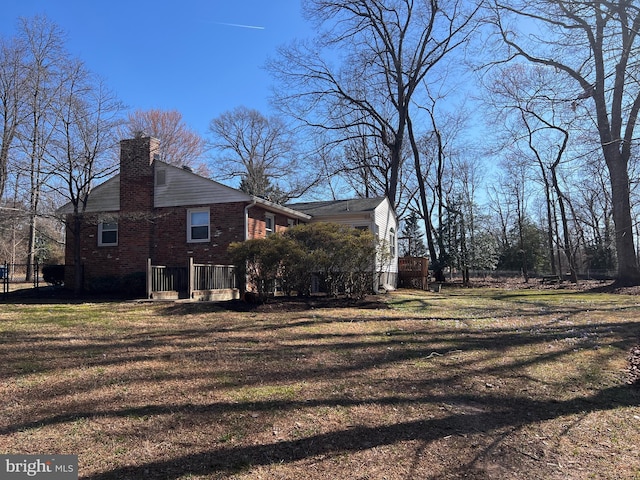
(342, 256)
(106, 284)
(263, 261)
(53, 274)
(132, 285)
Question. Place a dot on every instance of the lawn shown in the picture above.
(466, 383)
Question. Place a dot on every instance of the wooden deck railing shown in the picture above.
(184, 281)
(413, 272)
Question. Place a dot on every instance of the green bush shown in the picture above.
(342, 256)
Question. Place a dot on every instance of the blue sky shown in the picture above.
(199, 57)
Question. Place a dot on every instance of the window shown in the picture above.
(269, 224)
(161, 178)
(198, 225)
(107, 234)
(392, 243)
(291, 222)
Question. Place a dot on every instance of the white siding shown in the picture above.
(385, 220)
(361, 219)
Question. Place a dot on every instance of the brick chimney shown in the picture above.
(136, 173)
(136, 202)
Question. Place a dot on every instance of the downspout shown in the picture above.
(243, 288)
(246, 218)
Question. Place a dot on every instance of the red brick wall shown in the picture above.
(257, 225)
(170, 232)
(168, 228)
(96, 261)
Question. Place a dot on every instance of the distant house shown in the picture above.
(153, 213)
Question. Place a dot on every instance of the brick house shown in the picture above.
(160, 214)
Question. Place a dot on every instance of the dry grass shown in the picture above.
(480, 383)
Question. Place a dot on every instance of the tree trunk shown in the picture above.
(31, 248)
(428, 228)
(628, 272)
(77, 254)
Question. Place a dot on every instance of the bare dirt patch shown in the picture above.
(467, 383)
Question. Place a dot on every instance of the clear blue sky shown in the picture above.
(199, 57)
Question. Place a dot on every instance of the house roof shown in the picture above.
(195, 189)
(337, 207)
(185, 188)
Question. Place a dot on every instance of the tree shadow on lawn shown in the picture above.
(500, 413)
(369, 352)
(382, 348)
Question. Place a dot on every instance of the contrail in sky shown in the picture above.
(254, 27)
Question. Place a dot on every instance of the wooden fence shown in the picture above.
(195, 282)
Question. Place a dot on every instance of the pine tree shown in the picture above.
(412, 239)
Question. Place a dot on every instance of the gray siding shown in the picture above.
(103, 198)
(182, 187)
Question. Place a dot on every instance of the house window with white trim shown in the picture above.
(392, 242)
(107, 234)
(269, 224)
(198, 225)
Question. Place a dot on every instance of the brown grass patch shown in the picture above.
(480, 383)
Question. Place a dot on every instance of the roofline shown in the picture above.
(280, 208)
(252, 198)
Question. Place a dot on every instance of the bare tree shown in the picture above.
(525, 94)
(259, 150)
(594, 45)
(387, 49)
(594, 211)
(364, 165)
(515, 196)
(434, 154)
(43, 61)
(475, 250)
(12, 77)
(179, 145)
(81, 151)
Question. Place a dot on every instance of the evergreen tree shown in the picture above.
(412, 238)
(258, 183)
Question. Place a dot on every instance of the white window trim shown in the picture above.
(189, 225)
(272, 230)
(102, 229)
